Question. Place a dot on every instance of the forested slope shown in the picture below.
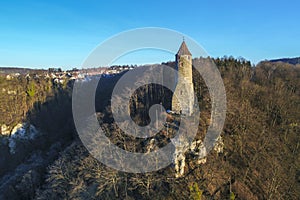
(260, 157)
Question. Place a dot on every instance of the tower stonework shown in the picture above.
(183, 97)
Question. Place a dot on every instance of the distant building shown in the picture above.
(183, 98)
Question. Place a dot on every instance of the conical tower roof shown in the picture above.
(183, 50)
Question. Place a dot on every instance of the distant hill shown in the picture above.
(293, 61)
(12, 70)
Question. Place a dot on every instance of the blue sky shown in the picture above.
(61, 33)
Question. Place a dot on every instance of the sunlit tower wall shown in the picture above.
(183, 97)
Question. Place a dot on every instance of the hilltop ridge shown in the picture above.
(293, 61)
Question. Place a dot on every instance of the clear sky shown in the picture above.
(61, 33)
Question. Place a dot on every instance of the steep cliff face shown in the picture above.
(21, 132)
(18, 97)
(36, 115)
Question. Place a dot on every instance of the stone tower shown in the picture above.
(183, 98)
